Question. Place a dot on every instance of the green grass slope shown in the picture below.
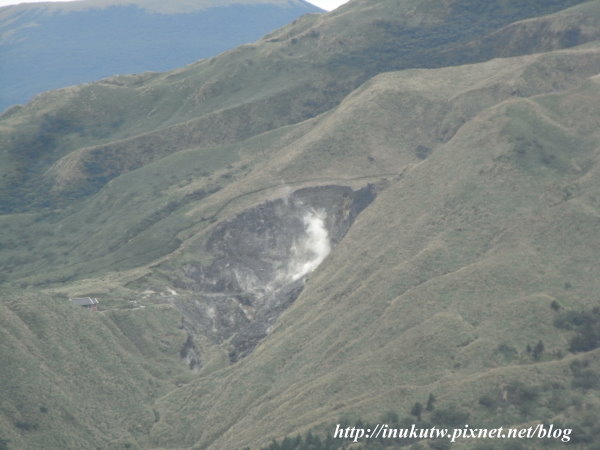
(469, 258)
(481, 243)
(70, 144)
(71, 378)
(392, 121)
(122, 123)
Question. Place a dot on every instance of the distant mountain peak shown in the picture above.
(75, 42)
(155, 6)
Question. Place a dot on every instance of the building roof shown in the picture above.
(84, 301)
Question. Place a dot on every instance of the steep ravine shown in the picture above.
(259, 263)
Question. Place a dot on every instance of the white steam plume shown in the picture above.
(312, 249)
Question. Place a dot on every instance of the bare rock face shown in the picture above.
(260, 261)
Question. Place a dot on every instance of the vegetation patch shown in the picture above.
(585, 324)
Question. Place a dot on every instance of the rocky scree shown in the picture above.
(260, 262)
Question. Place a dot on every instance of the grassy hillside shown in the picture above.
(453, 272)
(75, 379)
(59, 148)
(480, 243)
(116, 125)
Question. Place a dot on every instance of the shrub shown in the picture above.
(390, 418)
(26, 426)
(587, 326)
(451, 417)
(555, 305)
(583, 376)
(488, 401)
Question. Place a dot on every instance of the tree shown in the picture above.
(538, 350)
(430, 402)
(417, 410)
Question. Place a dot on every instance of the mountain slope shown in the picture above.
(461, 257)
(52, 45)
(291, 75)
(217, 153)
(452, 212)
(74, 380)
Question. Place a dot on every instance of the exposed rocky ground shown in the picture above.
(260, 261)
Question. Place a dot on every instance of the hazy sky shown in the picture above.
(325, 4)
